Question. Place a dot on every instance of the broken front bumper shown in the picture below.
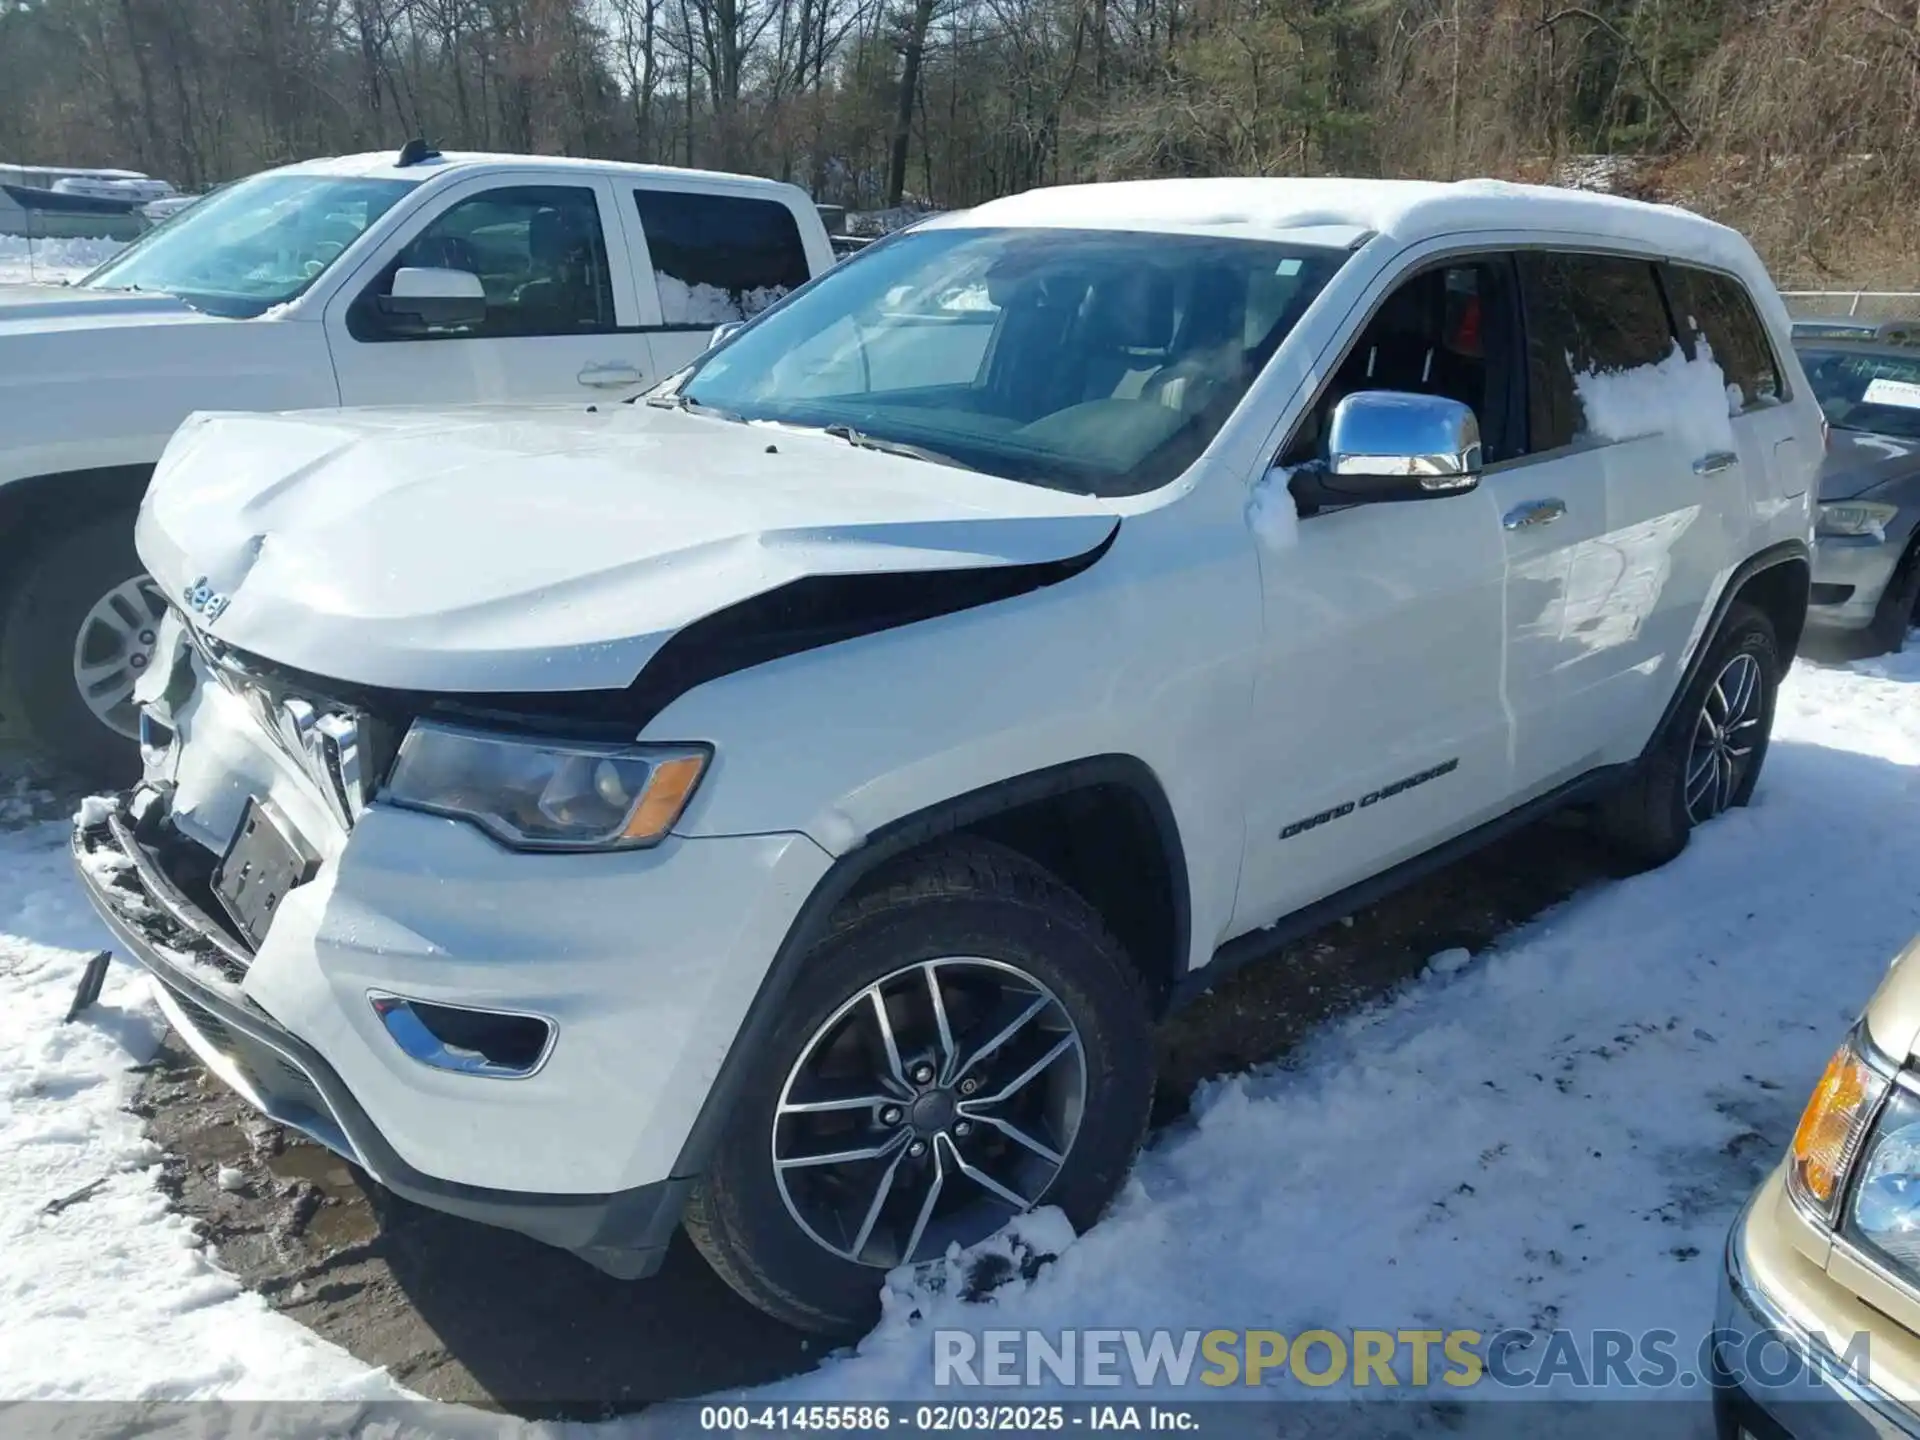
(198, 965)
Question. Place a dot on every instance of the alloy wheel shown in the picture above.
(113, 648)
(1724, 738)
(928, 1109)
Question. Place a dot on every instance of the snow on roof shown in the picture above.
(379, 164)
(1406, 210)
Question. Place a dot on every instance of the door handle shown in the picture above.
(1715, 462)
(610, 376)
(1532, 514)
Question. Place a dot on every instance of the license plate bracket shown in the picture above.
(265, 859)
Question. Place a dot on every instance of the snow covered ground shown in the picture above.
(1556, 1132)
(25, 262)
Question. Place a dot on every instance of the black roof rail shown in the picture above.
(415, 152)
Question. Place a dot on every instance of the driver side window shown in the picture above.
(1449, 330)
(538, 250)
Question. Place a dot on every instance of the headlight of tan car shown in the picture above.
(538, 794)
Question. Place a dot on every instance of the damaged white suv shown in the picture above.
(783, 806)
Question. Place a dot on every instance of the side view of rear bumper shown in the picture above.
(195, 965)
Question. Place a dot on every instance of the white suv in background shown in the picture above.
(379, 279)
(783, 805)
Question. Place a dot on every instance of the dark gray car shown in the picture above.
(1866, 565)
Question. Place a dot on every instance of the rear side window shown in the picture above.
(1585, 313)
(1717, 309)
(719, 257)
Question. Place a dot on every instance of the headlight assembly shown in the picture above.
(1857, 517)
(1883, 1216)
(535, 794)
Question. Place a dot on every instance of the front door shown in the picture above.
(1383, 723)
(560, 304)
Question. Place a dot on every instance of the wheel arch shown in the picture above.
(1776, 582)
(35, 506)
(1026, 813)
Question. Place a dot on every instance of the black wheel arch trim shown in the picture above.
(898, 837)
(66, 499)
(1786, 552)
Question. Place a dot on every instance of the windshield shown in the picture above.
(253, 245)
(1860, 390)
(1089, 360)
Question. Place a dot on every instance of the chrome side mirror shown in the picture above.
(1391, 445)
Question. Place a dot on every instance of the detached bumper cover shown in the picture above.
(197, 965)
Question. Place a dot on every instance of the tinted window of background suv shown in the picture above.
(1718, 309)
(719, 257)
(1585, 313)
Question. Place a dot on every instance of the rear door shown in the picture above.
(562, 316)
(702, 258)
(1647, 431)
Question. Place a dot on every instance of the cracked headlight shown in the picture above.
(1857, 517)
(537, 794)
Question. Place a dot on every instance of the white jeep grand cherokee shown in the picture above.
(783, 806)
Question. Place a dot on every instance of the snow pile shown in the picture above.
(50, 261)
(1678, 396)
(1558, 1134)
(1271, 510)
(108, 1295)
(700, 304)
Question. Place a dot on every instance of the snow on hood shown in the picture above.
(40, 304)
(1858, 460)
(545, 549)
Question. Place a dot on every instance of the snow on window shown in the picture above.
(1271, 512)
(1688, 398)
(968, 297)
(699, 304)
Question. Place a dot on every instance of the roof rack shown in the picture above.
(416, 151)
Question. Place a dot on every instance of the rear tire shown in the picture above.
(808, 1244)
(1690, 776)
(42, 645)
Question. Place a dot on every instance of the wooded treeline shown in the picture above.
(1799, 118)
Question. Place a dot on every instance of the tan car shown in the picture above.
(1818, 1328)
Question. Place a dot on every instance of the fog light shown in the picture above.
(500, 1044)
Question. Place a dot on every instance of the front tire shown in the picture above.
(1708, 759)
(79, 633)
(966, 1042)
(1899, 608)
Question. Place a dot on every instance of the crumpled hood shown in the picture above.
(57, 304)
(544, 548)
(1857, 461)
